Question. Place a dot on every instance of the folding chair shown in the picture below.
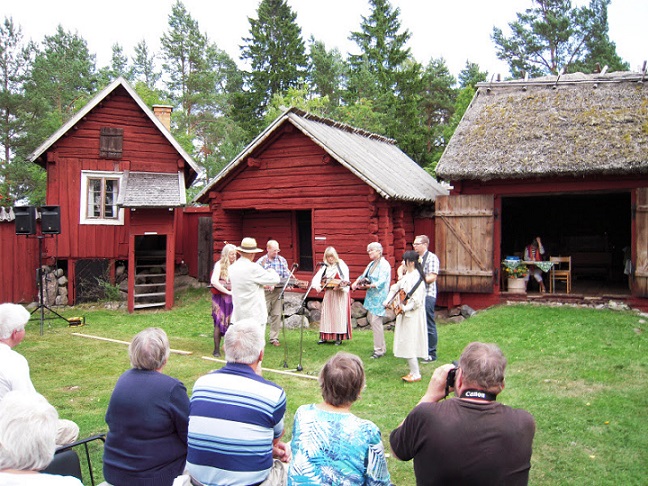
(66, 461)
(560, 272)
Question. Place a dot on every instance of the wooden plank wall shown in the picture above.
(292, 173)
(144, 149)
(18, 265)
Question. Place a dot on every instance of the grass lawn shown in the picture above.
(582, 373)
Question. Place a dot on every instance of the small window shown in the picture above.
(99, 193)
(111, 142)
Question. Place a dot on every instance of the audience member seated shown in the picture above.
(14, 369)
(147, 418)
(28, 428)
(237, 418)
(330, 445)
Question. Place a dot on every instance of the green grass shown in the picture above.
(581, 373)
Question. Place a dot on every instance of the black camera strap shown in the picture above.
(481, 394)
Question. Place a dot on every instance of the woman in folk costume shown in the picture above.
(221, 296)
(335, 323)
(410, 333)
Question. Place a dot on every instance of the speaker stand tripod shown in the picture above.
(40, 277)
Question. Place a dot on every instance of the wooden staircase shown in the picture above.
(150, 279)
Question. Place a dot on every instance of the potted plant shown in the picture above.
(515, 272)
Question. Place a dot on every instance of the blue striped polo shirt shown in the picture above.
(234, 417)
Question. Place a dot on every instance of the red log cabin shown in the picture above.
(309, 183)
(119, 178)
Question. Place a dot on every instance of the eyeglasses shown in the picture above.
(417, 243)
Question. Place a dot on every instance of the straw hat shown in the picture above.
(248, 245)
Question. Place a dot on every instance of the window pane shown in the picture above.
(112, 190)
(94, 198)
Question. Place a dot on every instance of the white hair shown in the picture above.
(28, 427)
(375, 246)
(149, 349)
(13, 317)
(244, 342)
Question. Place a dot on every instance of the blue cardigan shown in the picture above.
(147, 419)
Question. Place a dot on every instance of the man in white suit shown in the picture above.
(248, 279)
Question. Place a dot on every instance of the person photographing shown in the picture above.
(472, 438)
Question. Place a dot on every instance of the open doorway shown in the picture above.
(594, 229)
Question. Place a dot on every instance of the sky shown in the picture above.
(457, 30)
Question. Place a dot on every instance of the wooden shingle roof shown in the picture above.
(373, 158)
(152, 190)
(572, 125)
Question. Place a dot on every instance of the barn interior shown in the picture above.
(594, 229)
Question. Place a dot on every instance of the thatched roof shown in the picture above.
(570, 125)
(373, 158)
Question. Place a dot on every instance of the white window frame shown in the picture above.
(86, 175)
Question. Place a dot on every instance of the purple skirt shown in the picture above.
(222, 311)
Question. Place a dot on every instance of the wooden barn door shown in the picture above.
(464, 243)
(641, 244)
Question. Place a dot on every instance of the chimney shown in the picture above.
(163, 113)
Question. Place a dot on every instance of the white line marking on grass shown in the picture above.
(99, 338)
(271, 370)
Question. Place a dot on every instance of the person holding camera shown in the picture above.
(375, 279)
(470, 439)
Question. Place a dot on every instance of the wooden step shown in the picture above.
(150, 285)
(154, 304)
(152, 294)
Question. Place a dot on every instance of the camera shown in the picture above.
(450, 379)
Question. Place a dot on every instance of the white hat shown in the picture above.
(248, 245)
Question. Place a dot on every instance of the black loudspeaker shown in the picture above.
(51, 220)
(25, 220)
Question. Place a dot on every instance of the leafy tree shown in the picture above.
(202, 79)
(552, 36)
(144, 65)
(277, 56)
(470, 75)
(599, 49)
(118, 67)
(382, 45)
(437, 107)
(327, 72)
(16, 58)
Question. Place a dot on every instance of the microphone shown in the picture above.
(295, 266)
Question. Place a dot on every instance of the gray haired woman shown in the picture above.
(147, 417)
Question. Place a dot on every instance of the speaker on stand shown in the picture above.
(50, 225)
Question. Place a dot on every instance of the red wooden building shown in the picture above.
(310, 183)
(562, 158)
(119, 178)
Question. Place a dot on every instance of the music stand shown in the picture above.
(301, 311)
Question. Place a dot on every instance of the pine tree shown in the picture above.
(277, 57)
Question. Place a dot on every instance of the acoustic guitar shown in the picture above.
(398, 301)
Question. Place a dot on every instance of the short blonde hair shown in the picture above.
(149, 349)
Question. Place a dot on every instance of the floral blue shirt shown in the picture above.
(336, 449)
(381, 277)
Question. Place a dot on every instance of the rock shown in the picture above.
(63, 291)
(182, 282)
(455, 311)
(294, 322)
(61, 280)
(61, 300)
(362, 322)
(314, 305)
(358, 310)
(456, 319)
(467, 311)
(315, 315)
(59, 272)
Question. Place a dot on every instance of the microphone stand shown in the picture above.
(283, 319)
(301, 311)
